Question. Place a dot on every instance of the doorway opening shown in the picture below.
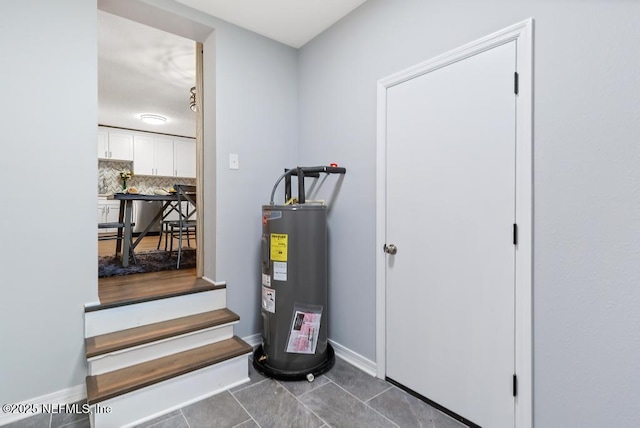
(161, 73)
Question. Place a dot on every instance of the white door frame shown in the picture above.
(522, 33)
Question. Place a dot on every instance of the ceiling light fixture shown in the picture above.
(192, 99)
(153, 119)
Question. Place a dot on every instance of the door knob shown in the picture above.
(390, 249)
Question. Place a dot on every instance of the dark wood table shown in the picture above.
(126, 216)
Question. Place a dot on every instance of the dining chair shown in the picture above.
(165, 231)
(185, 227)
(170, 215)
(110, 237)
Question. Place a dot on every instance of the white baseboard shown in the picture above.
(254, 340)
(355, 359)
(218, 283)
(64, 396)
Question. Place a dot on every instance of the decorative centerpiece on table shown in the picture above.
(125, 175)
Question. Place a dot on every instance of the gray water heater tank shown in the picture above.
(294, 290)
(294, 281)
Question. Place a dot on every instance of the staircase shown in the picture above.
(150, 356)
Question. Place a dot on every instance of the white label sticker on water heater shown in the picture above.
(280, 271)
(266, 280)
(269, 299)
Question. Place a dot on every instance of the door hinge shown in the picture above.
(515, 385)
(515, 234)
(515, 83)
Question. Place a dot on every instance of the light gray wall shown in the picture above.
(587, 191)
(48, 170)
(256, 118)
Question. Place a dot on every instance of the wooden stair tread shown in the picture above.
(111, 342)
(112, 384)
(145, 287)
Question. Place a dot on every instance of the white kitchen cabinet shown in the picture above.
(115, 144)
(108, 212)
(184, 158)
(103, 143)
(143, 155)
(164, 156)
(152, 155)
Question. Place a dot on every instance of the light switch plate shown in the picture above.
(234, 162)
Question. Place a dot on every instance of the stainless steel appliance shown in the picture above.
(143, 213)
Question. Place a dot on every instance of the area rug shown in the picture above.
(151, 261)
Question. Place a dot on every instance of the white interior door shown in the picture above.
(450, 212)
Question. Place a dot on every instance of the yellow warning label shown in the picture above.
(279, 242)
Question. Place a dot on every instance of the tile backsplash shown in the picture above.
(109, 180)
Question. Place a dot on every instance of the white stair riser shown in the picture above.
(150, 351)
(129, 316)
(155, 400)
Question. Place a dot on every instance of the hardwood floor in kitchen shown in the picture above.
(118, 289)
(148, 243)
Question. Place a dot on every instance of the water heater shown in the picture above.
(294, 284)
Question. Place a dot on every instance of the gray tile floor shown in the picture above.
(69, 420)
(343, 397)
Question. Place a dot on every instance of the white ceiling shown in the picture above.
(145, 70)
(292, 22)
